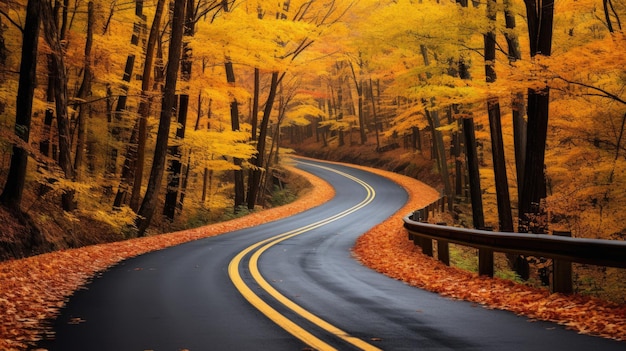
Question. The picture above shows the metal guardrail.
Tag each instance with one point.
(610, 253)
(563, 250)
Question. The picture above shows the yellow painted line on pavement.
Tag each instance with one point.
(275, 316)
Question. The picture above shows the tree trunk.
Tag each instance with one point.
(146, 211)
(174, 170)
(46, 143)
(359, 83)
(254, 118)
(362, 131)
(144, 107)
(13, 189)
(130, 160)
(258, 160)
(83, 92)
(517, 100)
(457, 152)
(499, 167)
(433, 118)
(339, 113)
(474, 175)
(116, 129)
(176, 178)
(495, 125)
(234, 122)
(540, 19)
(51, 35)
(375, 115)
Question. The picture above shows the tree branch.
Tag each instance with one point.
(603, 92)
(6, 15)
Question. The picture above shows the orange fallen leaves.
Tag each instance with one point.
(32, 290)
(386, 249)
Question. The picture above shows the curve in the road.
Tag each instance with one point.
(183, 297)
(278, 318)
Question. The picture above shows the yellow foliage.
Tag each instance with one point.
(297, 115)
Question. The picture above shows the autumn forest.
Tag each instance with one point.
(138, 117)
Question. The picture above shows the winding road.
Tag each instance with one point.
(290, 285)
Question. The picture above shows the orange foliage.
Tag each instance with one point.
(386, 248)
(33, 289)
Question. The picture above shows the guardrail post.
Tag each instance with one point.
(485, 260)
(443, 250)
(417, 215)
(562, 272)
(427, 246)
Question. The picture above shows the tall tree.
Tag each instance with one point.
(517, 100)
(144, 107)
(175, 175)
(146, 211)
(540, 16)
(234, 122)
(11, 196)
(495, 124)
(359, 84)
(58, 71)
(117, 129)
(83, 92)
(258, 159)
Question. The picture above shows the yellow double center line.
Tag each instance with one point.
(271, 313)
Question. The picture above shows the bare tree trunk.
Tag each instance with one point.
(51, 34)
(176, 178)
(517, 100)
(359, 83)
(254, 118)
(375, 115)
(234, 120)
(433, 118)
(46, 144)
(495, 124)
(144, 107)
(13, 189)
(540, 19)
(258, 160)
(474, 175)
(116, 129)
(499, 167)
(130, 159)
(146, 211)
(83, 92)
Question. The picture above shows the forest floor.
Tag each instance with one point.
(33, 289)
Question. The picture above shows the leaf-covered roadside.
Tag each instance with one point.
(386, 248)
(32, 290)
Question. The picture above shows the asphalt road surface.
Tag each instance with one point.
(290, 285)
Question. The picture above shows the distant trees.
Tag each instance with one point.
(359, 71)
(525, 68)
